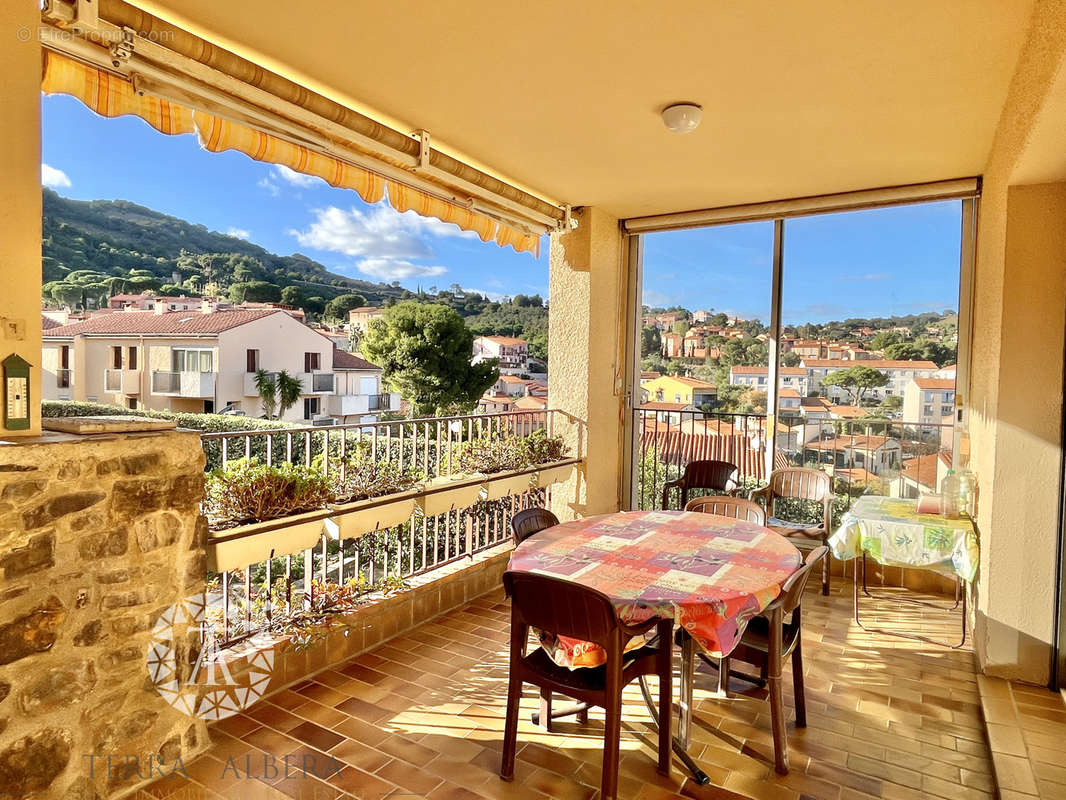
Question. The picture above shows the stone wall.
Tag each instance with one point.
(98, 535)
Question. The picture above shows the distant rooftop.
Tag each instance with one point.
(173, 323)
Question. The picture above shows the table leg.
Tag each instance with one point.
(688, 680)
(959, 590)
(698, 775)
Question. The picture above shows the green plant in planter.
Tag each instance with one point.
(505, 453)
(361, 475)
(248, 491)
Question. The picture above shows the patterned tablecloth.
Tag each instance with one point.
(708, 573)
(892, 532)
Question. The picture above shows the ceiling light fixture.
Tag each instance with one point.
(682, 117)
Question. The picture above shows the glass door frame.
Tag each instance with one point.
(966, 190)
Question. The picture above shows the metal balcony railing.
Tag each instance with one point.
(380, 402)
(421, 544)
(897, 458)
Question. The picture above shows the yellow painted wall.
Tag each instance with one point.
(585, 361)
(671, 387)
(20, 191)
(1014, 400)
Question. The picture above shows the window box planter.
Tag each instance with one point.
(547, 474)
(237, 547)
(374, 513)
(503, 484)
(449, 492)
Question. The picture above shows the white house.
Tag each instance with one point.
(200, 361)
(513, 353)
(793, 378)
(899, 373)
(928, 400)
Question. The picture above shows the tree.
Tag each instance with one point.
(292, 296)
(856, 381)
(254, 292)
(903, 351)
(883, 339)
(424, 351)
(650, 341)
(289, 390)
(267, 389)
(790, 359)
(681, 327)
(339, 306)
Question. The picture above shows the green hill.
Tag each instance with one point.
(92, 249)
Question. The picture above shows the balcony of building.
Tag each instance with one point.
(183, 384)
(122, 381)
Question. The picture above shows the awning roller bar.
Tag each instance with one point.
(807, 206)
(364, 142)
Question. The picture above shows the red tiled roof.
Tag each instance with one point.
(848, 411)
(342, 359)
(935, 383)
(504, 340)
(850, 442)
(844, 364)
(923, 469)
(47, 323)
(661, 406)
(172, 323)
(742, 370)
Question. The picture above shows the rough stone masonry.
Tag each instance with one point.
(98, 535)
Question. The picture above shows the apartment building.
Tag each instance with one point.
(205, 361)
(787, 378)
(360, 318)
(900, 373)
(677, 389)
(929, 400)
(513, 353)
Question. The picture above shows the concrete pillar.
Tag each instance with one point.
(1019, 475)
(585, 358)
(20, 194)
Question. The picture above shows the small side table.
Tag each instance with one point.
(891, 532)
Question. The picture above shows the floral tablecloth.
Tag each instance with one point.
(892, 532)
(709, 574)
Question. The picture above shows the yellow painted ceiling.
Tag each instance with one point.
(800, 97)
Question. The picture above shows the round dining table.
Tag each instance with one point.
(709, 574)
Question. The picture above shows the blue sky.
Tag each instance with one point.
(901, 260)
(878, 263)
(88, 157)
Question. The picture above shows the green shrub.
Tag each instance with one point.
(506, 453)
(248, 491)
(363, 476)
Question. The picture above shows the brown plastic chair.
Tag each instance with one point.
(800, 484)
(569, 609)
(719, 476)
(767, 642)
(724, 506)
(529, 521)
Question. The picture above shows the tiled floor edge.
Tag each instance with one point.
(1023, 723)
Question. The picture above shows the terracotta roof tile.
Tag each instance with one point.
(172, 323)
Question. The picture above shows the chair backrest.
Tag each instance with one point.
(562, 607)
(529, 521)
(710, 474)
(724, 506)
(801, 483)
(792, 589)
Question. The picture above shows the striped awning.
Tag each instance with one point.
(113, 95)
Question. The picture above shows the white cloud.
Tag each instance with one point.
(294, 177)
(869, 276)
(240, 233)
(378, 233)
(397, 269)
(50, 176)
(269, 185)
(495, 297)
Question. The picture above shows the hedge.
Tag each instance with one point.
(207, 423)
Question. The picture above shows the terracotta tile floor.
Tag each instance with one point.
(1026, 731)
(421, 717)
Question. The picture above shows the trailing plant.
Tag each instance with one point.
(249, 491)
(362, 475)
(508, 453)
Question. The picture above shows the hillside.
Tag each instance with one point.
(107, 244)
(94, 249)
